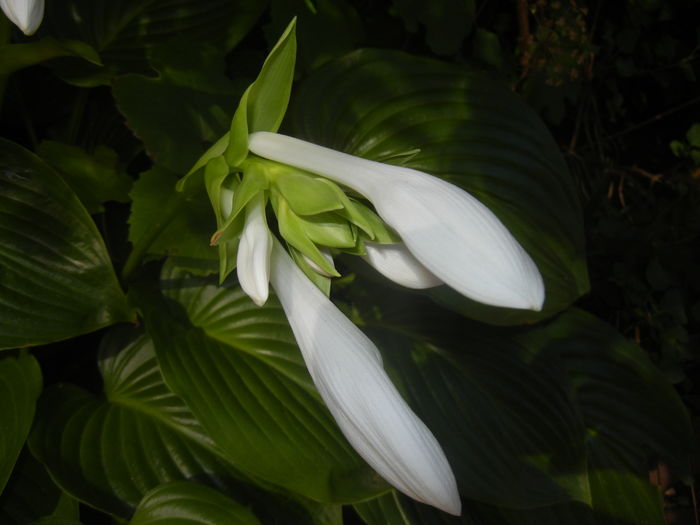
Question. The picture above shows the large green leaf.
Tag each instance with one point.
(190, 503)
(96, 178)
(56, 279)
(238, 369)
(125, 32)
(20, 385)
(31, 495)
(629, 413)
(470, 130)
(110, 452)
(167, 222)
(187, 107)
(507, 426)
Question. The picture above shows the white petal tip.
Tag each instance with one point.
(452, 506)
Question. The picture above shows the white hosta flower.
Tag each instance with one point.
(253, 259)
(347, 370)
(396, 262)
(456, 237)
(25, 14)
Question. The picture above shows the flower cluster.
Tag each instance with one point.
(426, 232)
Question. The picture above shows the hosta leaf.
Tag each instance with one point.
(167, 222)
(629, 413)
(111, 452)
(190, 503)
(20, 385)
(95, 178)
(31, 495)
(125, 32)
(238, 369)
(191, 98)
(469, 130)
(507, 426)
(56, 279)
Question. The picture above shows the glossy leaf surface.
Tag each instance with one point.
(111, 452)
(187, 502)
(237, 367)
(57, 280)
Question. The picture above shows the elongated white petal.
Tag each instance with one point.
(25, 14)
(451, 233)
(396, 262)
(253, 259)
(347, 370)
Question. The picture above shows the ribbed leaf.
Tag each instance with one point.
(238, 369)
(20, 385)
(190, 503)
(470, 130)
(111, 452)
(124, 32)
(56, 279)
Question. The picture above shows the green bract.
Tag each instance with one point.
(312, 212)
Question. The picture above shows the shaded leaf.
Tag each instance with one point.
(330, 30)
(183, 110)
(167, 222)
(20, 385)
(472, 131)
(188, 502)
(446, 23)
(95, 178)
(31, 494)
(125, 32)
(18, 56)
(629, 413)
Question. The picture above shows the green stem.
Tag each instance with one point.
(142, 245)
